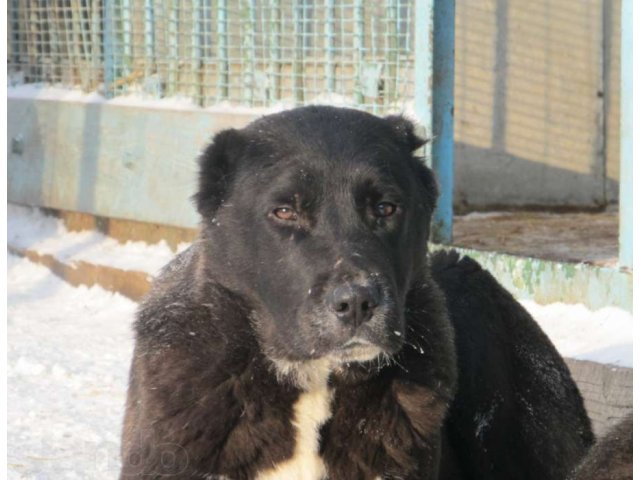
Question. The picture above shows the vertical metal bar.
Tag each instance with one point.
(149, 37)
(298, 65)
(434, 64)
(392, 45)
(80, 43)
(125, 50)
(249, 52)
(57, 43)
(423, 63)
(222, 89)
(172, 41)
(442, 116)
(16, 44)
(274, 50)
(625, 255)
(196, 52)
(359, 50)
(95, 43)
(107, 45)
(329, 69)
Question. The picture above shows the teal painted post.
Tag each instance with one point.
(434, 64)
(625, 255)
(108, 48)
(442, 146)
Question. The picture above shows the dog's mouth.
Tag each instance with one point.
(358, 350)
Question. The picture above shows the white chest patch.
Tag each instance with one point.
(310, 412)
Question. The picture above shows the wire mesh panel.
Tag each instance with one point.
(55, 42)
(236, 52)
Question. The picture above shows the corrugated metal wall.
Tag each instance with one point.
(537, 92)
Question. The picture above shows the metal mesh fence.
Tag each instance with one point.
(240, 52)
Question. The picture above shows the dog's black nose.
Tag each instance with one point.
(354, 303)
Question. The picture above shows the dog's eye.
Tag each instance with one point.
(384, 209)
(286, 213)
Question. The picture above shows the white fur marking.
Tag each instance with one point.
(310, 412)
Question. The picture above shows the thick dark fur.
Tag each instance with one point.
(209, 396)
(612, 457)
(517, 413)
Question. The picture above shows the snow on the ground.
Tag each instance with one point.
(68, 356)
(603, 336)
(29, 228)
(483, 215)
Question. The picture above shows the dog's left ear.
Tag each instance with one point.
(405, 135)
(217, 168)
(404, 132)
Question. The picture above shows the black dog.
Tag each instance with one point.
(305, 335)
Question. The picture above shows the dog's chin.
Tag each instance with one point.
(356, 350)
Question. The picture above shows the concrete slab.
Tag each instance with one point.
(607, 391)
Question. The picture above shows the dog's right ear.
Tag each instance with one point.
(217, 167)
(404, 131)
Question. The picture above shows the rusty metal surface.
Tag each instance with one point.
(563, 237)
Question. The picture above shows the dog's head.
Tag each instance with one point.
(319, 216)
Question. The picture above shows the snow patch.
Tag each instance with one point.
(29, 228)
(482, 215)
(141, 99)
(68, 358)
(603, 336)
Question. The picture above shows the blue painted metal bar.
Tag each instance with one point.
(434, 65)
(107, 45)
(625, 255)
(442, 116)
